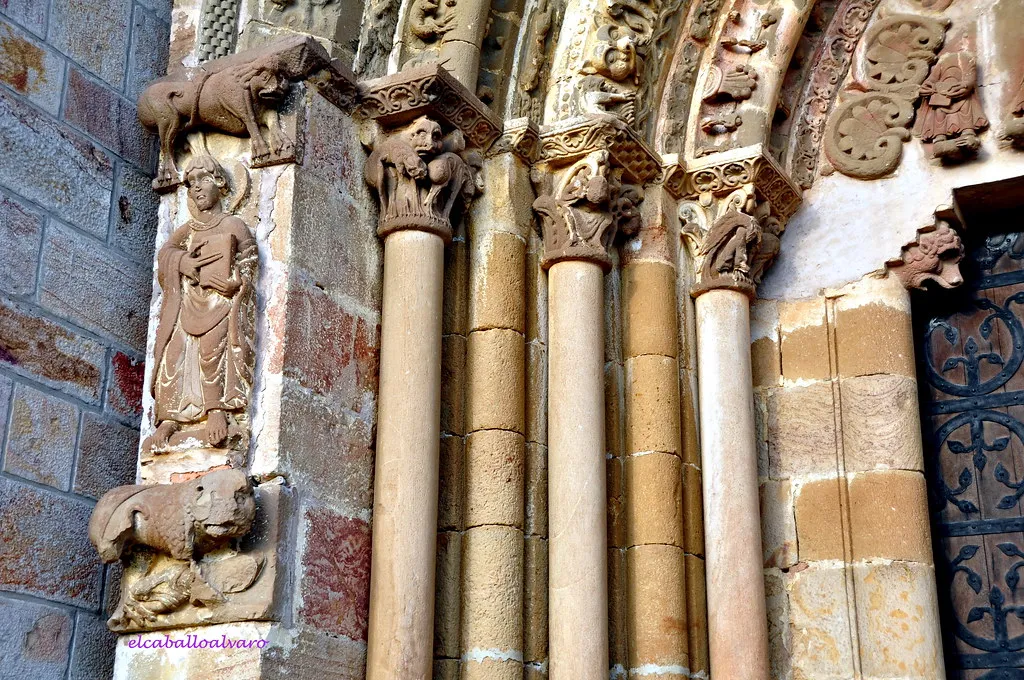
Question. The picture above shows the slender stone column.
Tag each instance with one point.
(577, 512)
(400, 643)
(737, 619)
(424, 175)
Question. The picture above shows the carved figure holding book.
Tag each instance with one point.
(204, 344)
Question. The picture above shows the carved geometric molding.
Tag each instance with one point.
(520, 136)
(429, 90)
(723, 173)
(572, 140)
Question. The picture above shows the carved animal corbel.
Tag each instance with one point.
(235, 95)
(721, 126)
(429, 22)
(935, 256)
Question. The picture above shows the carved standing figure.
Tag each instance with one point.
(204, 343)
(950, 114)
(1015, 124)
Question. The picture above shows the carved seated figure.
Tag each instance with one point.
(203, 352)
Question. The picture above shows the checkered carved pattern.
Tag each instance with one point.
(219, 29)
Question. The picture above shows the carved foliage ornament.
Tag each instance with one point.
(589, 206)
(935, 256)
(865, 134)
(420, 177)
(237, 95)
(204, 348)
(180, 546)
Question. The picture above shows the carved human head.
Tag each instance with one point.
(935, 257)
(223, 506)
(206, 181)
(615, 53)
(424, 136)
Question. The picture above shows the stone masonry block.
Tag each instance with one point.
(21, 232)
(106, 456)
(92, 652)
(455, 306)
(536, 292)
(656, 583)
(451, 484)
(495, 381)
(29, 13)
(536, 476)
(618, 597)
(136, 215)
(453, 384)
(494, 478)
(44, 546)
(780, 641)
(86, 283)
(536, 392)
(889, 516)
(819, 507)
(801, 431)
(41, 440)
(448, 587)
(881, 423)
(765, 356)
(34, 346)
(492, 669)
(124, 390)
(94, 108)
(30, 69)
(820, 623)
(874, 338)
(697, 615)
(804, 346)
(689, 433)
(778, 524)
(319, 342)
(497, 297)
(335, 573)
(56, 168)
(535, 603)
(147, 60)
(93, 33)
(492, 586)
(34, 640)
(614, 441)
(897, 611)
(693, 510)
(654, 500)
(650, 324)
(652, 404)
(616, 491)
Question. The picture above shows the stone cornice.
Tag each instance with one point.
(520, 136)
(574, 139)
(720, 174)
(429, 90)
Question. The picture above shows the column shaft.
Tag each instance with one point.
(578, 586)
(737, 623)
(400, 642)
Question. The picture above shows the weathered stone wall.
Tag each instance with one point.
(77, 222)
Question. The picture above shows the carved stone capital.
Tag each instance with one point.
(934, 256)
(520, 136)
(574, 139)
(429, 90)
(422, 178)
(717, 176)
(588, 206)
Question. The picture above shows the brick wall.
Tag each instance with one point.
(77, 222)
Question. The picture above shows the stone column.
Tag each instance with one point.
(581, 209)
(423, 175)
(734, 233)
(737, 619)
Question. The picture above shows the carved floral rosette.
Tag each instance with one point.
(865, 133)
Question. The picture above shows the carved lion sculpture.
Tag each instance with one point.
(229, 95)
(180, 520)
(935, 256)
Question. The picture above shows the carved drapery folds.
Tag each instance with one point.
(425, 166)
(935, 256)
(189, 549)
(865, 133)
(203, 355)
(240, 95)
(590, 182)
(733, 213)
(1015, 123)
(950, 115)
